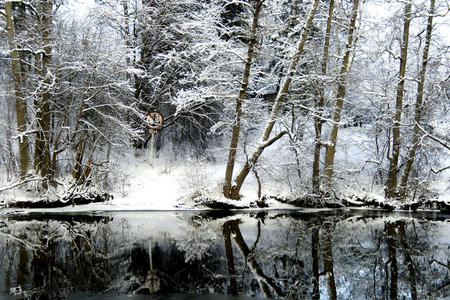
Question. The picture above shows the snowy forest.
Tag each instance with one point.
(286, 98)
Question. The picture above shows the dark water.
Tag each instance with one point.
(297, 255)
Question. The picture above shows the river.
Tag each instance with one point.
(321, 254)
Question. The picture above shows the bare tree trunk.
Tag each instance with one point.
(319, 105)
(265, 142)
(419, 105)
(42, 62)
(340, 95)
(391, 189)
(21, 107)
(240, 101)
(78, 165)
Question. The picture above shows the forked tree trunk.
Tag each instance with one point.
(415, 144)
(319, 105)
(265, 141)
(21, 107)
(240, 101)
(340, 95)
(391, 189)
(264, 281)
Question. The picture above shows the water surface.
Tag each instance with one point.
(324, 254)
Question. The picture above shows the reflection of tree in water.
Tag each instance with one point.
(336, 257)
(49, 259)
(293, 255)
(391, 254)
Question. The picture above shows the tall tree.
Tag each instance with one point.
(391, 185)
(265, 139)
(240, 101)
(340, 96)
(320, 103)
(418, 111)
(20, 103)
(43, 31)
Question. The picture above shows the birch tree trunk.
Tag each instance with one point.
(21, 107)
(265, 141)
(419, 105)
(320, 103)
(240, 101)
(391, 189)
(340, 95)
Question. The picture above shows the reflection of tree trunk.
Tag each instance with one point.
(263, 280)
(22, 268)
(315, 263)
(408, 259)
(329, 265)
(392, 262)
(230, 258)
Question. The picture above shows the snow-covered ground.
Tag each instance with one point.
(171, 182)
(167, 184)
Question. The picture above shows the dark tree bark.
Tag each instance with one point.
(392, 262)
(21, 107)
(42, 161)
(328, 262)
(418, 112)
(264, 281)
(315, 262)
(240, 101)
(391, 189)
(265, 138)
(230, 258)
(320, 103)
(340, 95)
(408, 259)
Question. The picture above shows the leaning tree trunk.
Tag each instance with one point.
(265, 141)
(240, 101)
(419, 105)
(21, 107)
(319, 105)
(340, 95)
(391, 189)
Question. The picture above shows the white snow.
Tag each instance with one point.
(166, 185)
